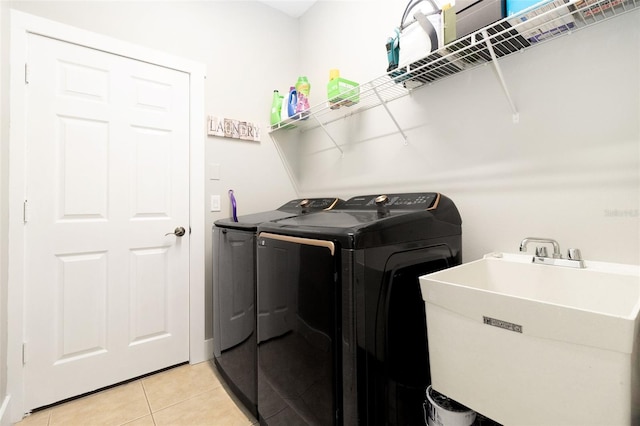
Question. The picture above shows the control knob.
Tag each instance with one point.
(381, 200)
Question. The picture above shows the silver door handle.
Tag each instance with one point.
(178, 232)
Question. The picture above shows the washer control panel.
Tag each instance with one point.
(310, 204)
(405, 201)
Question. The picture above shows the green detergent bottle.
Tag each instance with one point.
(276, 107)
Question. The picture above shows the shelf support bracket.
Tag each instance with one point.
(329, 134)
(285, 163)
(496, 65)
(384, 104)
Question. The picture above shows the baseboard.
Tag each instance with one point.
(208, 347)
(205, 355)
(4, 412)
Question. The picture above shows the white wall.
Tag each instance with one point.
(569, 170)
(4, 219)
(238, 41)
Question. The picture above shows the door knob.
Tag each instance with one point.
(178, 232)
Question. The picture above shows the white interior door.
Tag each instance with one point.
(106, 291)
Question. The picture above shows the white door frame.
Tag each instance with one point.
(23, 24)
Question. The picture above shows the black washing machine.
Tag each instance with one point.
(342, 333)
(234, 287)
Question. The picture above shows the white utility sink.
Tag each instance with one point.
(526, 343)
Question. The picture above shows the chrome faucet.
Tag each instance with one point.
(574, 257)
(556, 246)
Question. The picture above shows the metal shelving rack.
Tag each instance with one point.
(529, 28)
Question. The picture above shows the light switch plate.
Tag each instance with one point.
(214, 171)
(215, 203)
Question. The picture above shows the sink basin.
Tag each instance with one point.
(526, 343)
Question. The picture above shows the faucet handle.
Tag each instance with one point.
(541, 251)
(574, 254)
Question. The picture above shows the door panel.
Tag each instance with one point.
(149, 291)
(81, 309)
(280, 267)
(152, 164)
(234, 320)
(83, 176)
(235, 286)
(298, 341)
(106, 291)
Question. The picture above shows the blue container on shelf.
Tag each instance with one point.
(292, 102)
(516, 6)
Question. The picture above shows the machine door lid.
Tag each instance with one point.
(299, 240)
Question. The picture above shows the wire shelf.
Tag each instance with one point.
(526, 29)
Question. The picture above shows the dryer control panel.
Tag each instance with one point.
(404, 201)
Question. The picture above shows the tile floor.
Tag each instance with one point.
(189, 395)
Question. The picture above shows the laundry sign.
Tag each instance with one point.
(235, 129)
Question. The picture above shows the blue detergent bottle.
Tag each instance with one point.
(292, 101)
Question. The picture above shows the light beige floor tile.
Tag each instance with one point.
(236, 400)
(39, 418)
(190, 395)
(213, 407)
(179, 384)
(143, 421)
(110, 407)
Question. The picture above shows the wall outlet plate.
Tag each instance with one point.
(215, 203)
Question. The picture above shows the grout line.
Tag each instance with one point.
(153, 419)
(144, 389)
(176, 402)
(129, 421)
(218, 383)
(148, 403)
